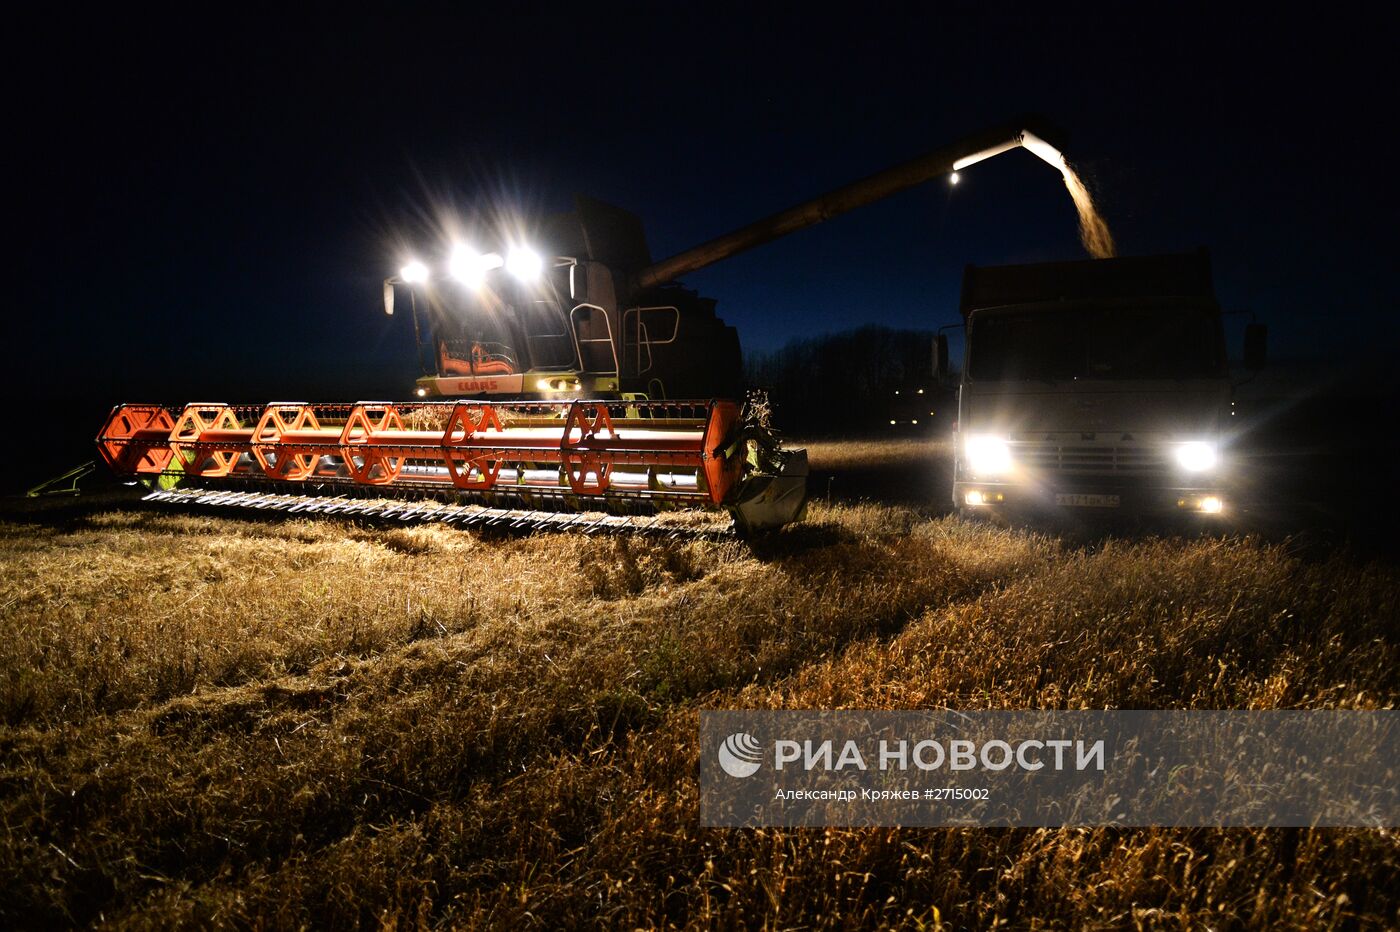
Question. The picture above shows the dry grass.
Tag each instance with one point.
(229, 722)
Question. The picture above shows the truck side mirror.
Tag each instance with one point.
(1256, 346)
(389, 298)
(940, 357)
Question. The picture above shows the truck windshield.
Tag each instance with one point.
(1115, 343)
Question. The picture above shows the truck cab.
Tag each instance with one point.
(1098, 386)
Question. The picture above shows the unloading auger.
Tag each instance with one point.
(622, 456)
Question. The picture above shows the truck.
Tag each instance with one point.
(1099, 386)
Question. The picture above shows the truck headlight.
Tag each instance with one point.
(1196, 456)
(987, 456)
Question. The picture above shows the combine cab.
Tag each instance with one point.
(500, 320)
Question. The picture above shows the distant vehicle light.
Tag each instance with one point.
(1196, 456)
(525, 264)
(953, 178)
(988, 456)
(414, 273)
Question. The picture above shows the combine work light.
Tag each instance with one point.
(525, 264)
(469, 266)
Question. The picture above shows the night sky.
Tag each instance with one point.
(207, 206)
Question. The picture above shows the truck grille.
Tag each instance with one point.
(1099, 458)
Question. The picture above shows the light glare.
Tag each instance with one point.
(1196, 456)
(525, 264)
(988, 455)
(463, 264)
(466, 265)
(414, 273)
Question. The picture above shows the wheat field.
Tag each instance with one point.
(226, 721)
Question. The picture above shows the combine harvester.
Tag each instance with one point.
(544, 400)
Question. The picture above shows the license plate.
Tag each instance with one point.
(1077, 500)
